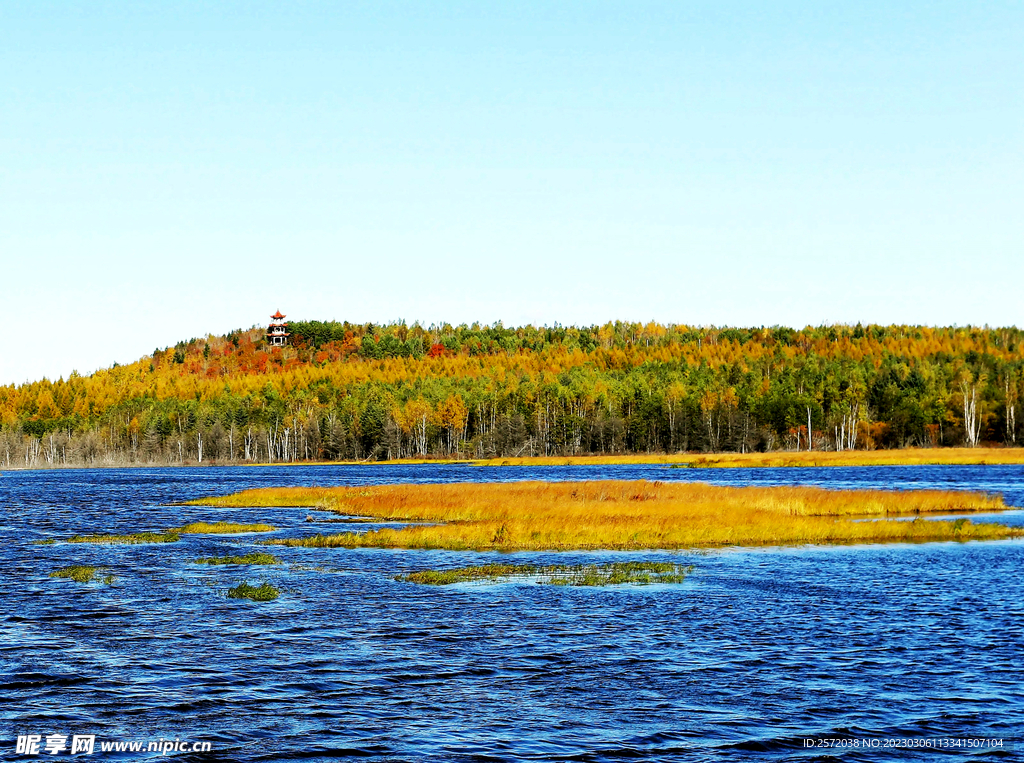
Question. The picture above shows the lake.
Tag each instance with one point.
(767, 654)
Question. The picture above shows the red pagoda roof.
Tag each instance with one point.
(277, 316)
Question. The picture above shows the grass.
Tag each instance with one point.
(618, 573)
(519, 516)
(80, 573)
(901, 457)
(172, 535)
(894, 457)
(199, 528)
(129, 539)
(257, 557)
(263, 592)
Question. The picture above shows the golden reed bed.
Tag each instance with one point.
(627, 515)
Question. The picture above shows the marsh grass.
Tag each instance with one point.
(172, 535)
(900, 457)
(81, 573)
(616, 514)
(129, 539)
(618, 573)
(341, 520)
(262, 592)
(895, 457)
(482, 572)
(221, 528)
(256, 557)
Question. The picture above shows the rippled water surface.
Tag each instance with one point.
(756, 652)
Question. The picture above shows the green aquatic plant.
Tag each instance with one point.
(620, 573)
(617, 573)
(483, 572)
(130, 538)
(257, 557)
(262, 592)
(80, 573)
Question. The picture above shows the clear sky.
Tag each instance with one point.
(176, 169)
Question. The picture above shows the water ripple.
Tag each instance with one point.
(757, 653)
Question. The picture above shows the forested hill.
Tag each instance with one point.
(348, 391)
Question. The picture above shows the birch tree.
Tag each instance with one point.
(972, 421)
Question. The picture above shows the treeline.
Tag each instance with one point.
(353, 391)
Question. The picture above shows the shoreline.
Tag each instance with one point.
(772, 459)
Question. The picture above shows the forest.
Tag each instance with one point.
(343, 391)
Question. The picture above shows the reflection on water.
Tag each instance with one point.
(757, 651)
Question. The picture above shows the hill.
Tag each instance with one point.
(353, 391)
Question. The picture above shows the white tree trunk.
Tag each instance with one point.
(972, 423)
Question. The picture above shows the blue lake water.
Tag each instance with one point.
(759, 651)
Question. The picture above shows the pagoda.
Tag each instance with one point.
(277, 334)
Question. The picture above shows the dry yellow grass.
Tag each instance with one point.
(627, 515)
(219, 528)
(900, 457)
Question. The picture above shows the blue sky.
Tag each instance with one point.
(171, 170)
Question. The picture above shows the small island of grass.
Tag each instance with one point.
(616, 573)
(222, 528)
(172, 535)
(121, 539)
(617, 514)
(80, 573)
(262, 592)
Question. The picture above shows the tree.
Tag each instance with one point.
(452, 416)
(972, 421)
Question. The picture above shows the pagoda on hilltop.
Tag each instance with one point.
(277, 334)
